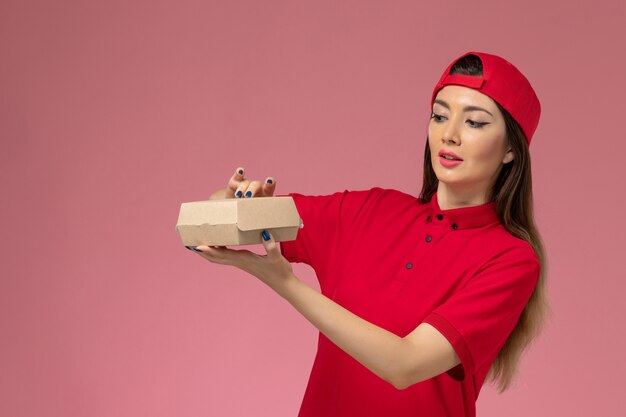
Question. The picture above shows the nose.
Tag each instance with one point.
(451, 134)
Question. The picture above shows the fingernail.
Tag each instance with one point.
(269, 181)
(188, 247)
(241, 172)
(197, 250)
(249, 194)
(239, 193)
(266, 236)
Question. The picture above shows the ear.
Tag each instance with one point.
(508, 156)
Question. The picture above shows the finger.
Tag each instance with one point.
(241, 189)
(214, 254)
(254, 189)
(223, 255)
(234, 181)
(268, 187)
(270, 244)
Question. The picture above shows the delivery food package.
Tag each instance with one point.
(237, 221)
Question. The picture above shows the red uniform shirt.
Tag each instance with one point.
(397, 262)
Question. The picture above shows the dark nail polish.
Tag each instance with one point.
(249, 194)
(188, 247)
(269, 181)
(197, 250)
(266, 236)
(240, 171)
(239, 193)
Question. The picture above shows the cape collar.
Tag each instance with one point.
(464, 217)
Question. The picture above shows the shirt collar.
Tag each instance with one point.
(464, 217)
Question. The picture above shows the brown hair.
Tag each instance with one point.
(512, 193)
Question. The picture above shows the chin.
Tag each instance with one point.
(450, 183)
(445, 175)
(451, 180)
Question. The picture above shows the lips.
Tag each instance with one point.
(450, 156)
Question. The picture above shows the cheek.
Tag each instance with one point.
(484, 153)
(433, 151)
(488, 150)
(429, 134)
(487, 158)
(432, 135)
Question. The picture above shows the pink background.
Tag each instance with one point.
(113, 113)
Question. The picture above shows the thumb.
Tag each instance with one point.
(270, 244)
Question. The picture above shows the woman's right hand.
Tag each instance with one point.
(240, 187)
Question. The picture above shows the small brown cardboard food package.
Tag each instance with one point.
(237, 221)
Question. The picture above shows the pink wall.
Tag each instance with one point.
(113, 113)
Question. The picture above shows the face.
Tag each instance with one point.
(468, 124)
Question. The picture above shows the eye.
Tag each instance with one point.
(477, 125)
(436, 117)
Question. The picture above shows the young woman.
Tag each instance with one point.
(421, 298)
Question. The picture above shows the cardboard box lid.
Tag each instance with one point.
(255, 213)
(267, 212)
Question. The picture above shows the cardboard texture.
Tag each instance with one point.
(237, 221)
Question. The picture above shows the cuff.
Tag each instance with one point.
(466, 367)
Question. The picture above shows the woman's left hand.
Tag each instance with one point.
(273, 268)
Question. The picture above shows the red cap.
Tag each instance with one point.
(505, 84)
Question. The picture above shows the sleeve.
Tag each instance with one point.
(320, 221)
(478, 319)
(324, 219)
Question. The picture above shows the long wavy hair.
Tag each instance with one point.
(512, 193)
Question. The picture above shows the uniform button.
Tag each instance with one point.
(409, 265)
(428, 219)
(428, 238)
(439, 216)
(454, 226)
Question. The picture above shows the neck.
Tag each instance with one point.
(450, 197)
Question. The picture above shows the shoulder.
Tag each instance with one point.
(512, 254)
(384, 195)
(514, 246)
(493, 246)
(377, 200)
(494, 239)
(356, 206)
(363, 193)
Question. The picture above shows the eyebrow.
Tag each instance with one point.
(465, 109)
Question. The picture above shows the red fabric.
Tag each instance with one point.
(468, 277)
